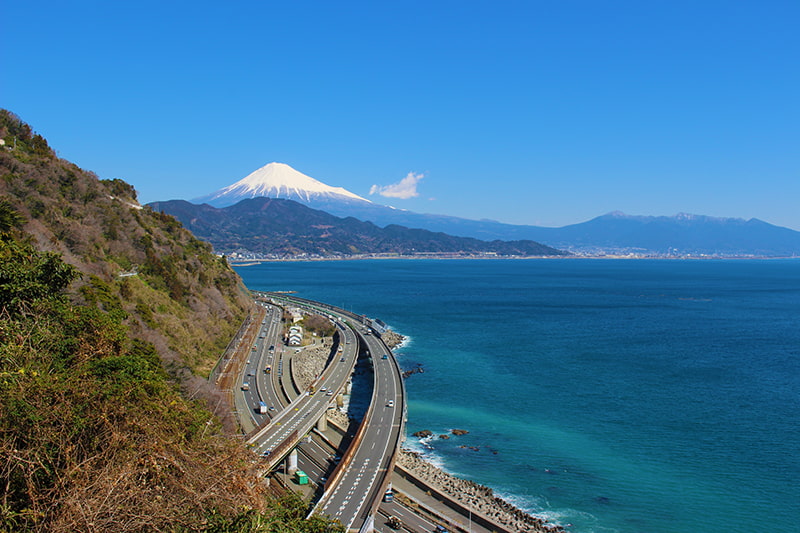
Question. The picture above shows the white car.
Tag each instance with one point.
(390, 404)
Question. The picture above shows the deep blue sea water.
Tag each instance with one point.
(614, 395)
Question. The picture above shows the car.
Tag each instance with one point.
(322, 389)
(390, 404)
(271, 407)
(385, 356)
(337, 458)
(329, 393)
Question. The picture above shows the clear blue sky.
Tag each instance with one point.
(537, 112)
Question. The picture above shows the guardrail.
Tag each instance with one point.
(378, 489)
(384, 485)
(347, 458)
(293, 440)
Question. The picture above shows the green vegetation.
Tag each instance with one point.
(106, 311)
(175, 292)
(93, 434)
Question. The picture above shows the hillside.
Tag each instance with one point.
(181, 297)
(285, 228)
(107, 310)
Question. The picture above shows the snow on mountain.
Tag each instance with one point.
(278, 180)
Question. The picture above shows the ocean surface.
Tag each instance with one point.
(613, 395)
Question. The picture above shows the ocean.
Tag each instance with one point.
(611, 395)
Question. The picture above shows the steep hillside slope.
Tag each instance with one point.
(94, 433)
(176, 293)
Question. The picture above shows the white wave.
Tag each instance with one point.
(405, 343)
(425, 452)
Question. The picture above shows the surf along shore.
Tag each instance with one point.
(432, 487)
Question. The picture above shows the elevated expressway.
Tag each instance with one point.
(353, 492)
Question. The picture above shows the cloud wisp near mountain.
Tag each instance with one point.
(614, 233)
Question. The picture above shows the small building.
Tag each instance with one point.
(296, 314)
(295, 337)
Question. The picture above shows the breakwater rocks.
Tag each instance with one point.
(425, 433)
(392, 339)
(477, 497)
(416, 370)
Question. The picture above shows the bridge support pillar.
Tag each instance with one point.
(322, 423)
(291, 462)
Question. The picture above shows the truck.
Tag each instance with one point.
(262, 408)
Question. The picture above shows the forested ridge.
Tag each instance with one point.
(111, 315)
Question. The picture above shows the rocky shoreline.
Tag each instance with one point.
(473, 495)
(310, 363)
(466, 492)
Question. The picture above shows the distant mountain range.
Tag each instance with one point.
(682, 234)
(614, 233)
(285, 228)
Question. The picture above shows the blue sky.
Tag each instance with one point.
(538, 112)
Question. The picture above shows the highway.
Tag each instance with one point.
(288, 426)
(360, 485)
(260, 356)
(354, 488)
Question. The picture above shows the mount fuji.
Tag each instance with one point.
(278, 180)
(611, 233)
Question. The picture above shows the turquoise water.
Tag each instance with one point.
(613, 395)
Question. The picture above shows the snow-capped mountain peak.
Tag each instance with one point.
(278, 180)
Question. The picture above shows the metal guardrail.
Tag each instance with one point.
(291, 440)
(358, 437)
(400, 433)
(351, 451)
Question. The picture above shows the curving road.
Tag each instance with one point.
(356, 486)
(288, 426)
(364, 478)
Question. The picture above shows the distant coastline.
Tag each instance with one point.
(442, 257)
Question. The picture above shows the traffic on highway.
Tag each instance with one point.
(352, 479)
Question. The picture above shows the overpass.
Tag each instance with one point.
(356, 486)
